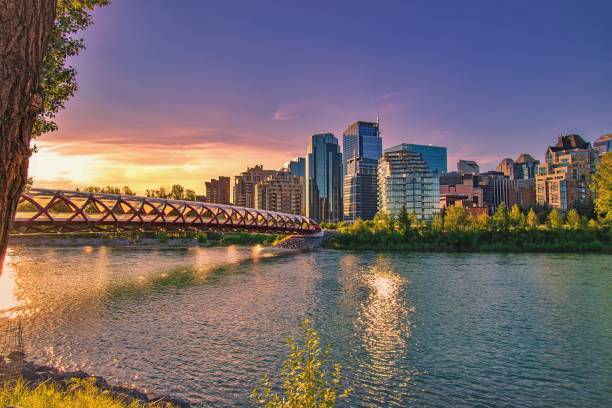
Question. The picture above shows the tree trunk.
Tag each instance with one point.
(25, 27)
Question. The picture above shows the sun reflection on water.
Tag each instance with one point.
(10, 300)
(384, 320)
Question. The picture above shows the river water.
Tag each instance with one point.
(204, 324)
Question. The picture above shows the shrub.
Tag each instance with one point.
(214, 236)
(309, 377)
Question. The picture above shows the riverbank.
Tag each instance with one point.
(35, 375)
(146, 239)
(593, 240)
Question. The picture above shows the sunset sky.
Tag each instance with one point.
(182, 91)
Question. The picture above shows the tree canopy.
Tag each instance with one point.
(602, 186)
(59, 78)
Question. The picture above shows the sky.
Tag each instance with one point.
(183, 91)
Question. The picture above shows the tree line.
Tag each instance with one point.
(459, 230)
(176, 192)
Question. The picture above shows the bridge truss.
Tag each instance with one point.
(45, 210)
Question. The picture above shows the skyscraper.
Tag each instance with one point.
(297, 167)
(467, 167)
(434, 156)
(405, 180)
(362, 147)
(324, 179)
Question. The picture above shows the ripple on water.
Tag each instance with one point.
(433, 330)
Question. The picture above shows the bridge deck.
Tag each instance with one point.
(43, 210)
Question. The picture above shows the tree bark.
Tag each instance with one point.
(25, 27)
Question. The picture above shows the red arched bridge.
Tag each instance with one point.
(43, 210)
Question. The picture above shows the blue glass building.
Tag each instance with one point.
(297, 167)
(324, 179)
(362, 147)
(434, 156)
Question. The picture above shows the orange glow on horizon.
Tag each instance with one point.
(69, 165)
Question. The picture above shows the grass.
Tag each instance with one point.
(76, 394)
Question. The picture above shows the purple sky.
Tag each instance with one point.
(187, 90)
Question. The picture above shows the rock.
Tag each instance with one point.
(36, 374)
(79, 374)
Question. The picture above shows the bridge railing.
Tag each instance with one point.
(45, 210)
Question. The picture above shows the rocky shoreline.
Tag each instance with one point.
(36, 374)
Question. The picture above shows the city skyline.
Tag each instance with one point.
(163, 103)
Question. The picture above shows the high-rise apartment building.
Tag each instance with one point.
(280, 192)
(218, 191)
(434, 156)
(362, 147)
(406, 180)
(564, 178)
(467, 167)
(324, 179)
(244, 185)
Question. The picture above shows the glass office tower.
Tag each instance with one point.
(297, 167)
(434, 156)
(362, 147)
(324, 179)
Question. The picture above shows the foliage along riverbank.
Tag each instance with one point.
(458, 231)
(169, 239)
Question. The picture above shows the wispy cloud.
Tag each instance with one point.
(293, 110)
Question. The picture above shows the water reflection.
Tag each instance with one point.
(383, 324)
(8, 288)
(409, 330)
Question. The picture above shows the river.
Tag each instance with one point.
(409, 329)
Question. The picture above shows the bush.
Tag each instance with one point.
(162, 237)
(214, 236)
(309, 377)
